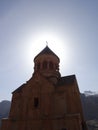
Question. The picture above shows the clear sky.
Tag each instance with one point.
(69, 26)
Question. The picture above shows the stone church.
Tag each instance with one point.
(46, 101)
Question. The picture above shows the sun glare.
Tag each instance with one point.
(55, 43)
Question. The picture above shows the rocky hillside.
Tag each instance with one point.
(4, 109)
(90, 107)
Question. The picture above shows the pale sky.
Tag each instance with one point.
(69, 26)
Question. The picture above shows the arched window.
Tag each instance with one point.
(38, 66)
(45, 65)
(50, 65)
(57, 67)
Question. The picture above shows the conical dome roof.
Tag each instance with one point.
(46, 51)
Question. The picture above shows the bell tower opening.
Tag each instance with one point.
(45, 65)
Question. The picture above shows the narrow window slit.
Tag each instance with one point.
(36, 102)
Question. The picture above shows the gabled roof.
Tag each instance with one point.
(66, 80)
(46, 51)
(19, 88)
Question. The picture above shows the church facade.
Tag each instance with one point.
(46, 101)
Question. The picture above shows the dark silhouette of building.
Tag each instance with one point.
(47, 101)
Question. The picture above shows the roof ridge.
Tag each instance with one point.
(46, 50)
